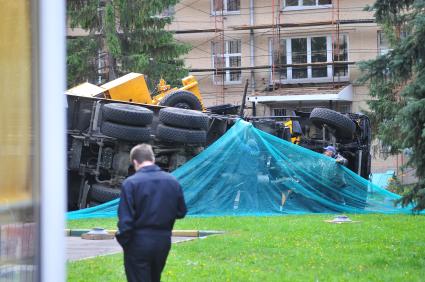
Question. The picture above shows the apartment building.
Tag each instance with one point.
(295, 54)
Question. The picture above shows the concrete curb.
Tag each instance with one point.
(177, 233)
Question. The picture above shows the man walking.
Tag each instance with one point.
(151, 200)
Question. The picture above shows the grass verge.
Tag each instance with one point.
(285, 248)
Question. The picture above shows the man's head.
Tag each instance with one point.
(142, 155)
(330, 151)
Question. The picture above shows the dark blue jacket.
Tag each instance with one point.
(151, 200)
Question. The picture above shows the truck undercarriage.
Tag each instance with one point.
(101, 133)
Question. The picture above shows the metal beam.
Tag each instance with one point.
(51, 76)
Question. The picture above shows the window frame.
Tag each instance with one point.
(226, 57)
(310, 78)
(382, 49)
(225, 11)
(169, 12)
(348, 59)
(345, 108)
(302, 7)
(281, 110)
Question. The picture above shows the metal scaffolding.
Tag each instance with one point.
(219, 50)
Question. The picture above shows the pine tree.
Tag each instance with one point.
(129, 35)
(397, 84)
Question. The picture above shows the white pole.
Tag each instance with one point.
(52, 139)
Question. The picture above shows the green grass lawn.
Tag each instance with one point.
(286, 248)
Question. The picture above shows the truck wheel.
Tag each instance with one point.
(127, 114)
(181, 135)
(83, 122)
(101, 193)
(184, 118)
(74, 185)
(343, 125)
(126, 132)
(182, 99)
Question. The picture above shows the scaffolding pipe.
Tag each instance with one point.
(335, 63)
(252, 42)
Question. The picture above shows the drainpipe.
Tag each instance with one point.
(251, 43)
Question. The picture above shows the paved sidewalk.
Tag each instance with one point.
(78, 249)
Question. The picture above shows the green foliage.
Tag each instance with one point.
(131, 34)
(284, 248)
(112, 40)
(82, 65)
(397, 85)
(395, 186)
(80, 14)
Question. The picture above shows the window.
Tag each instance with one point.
(291, 3)
(319, 55)
(279, 112)
(279, 56)
(383, 44)
(225, 6)
(230, 58)
(302, 4)
(308, 57)
(340, 54)
(345, 108)
(168, 12)
(299, 56)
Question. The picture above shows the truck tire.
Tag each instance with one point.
(184, 118)
(181, 135)
(127, 114)
(126, 132)
(182, 99)
(343, 125)
(83, 122)
(101, 193)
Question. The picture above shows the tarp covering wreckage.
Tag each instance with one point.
(250, 172)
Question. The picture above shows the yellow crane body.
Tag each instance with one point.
(133, 88)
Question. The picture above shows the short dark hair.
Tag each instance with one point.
(141, 153)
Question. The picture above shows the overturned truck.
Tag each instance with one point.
(101, 134)
(102, 130)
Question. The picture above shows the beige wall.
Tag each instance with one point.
(362, 41)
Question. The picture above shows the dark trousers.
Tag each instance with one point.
(145, 256)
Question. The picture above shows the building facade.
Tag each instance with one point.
(295, 54)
